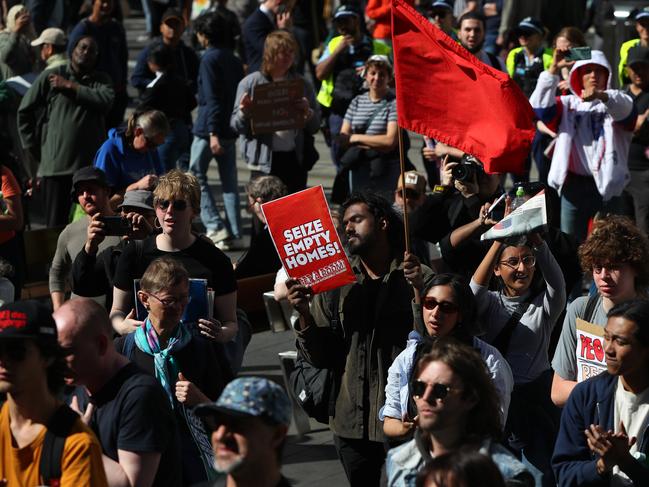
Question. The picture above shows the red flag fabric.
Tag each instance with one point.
(305, 237)
(446, 93)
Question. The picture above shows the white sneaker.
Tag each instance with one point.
(218, 235)
(238, 243)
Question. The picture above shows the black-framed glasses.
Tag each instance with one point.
(14, 350)
(169, 302)
(177, 205)
(437, 391)
(431, 303)
(528, 261)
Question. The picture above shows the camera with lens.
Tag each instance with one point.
(467, 167)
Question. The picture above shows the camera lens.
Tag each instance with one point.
(460, 172)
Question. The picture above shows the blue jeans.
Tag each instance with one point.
(335, 124)
(176, 144)
(199, 160)
(580, 200)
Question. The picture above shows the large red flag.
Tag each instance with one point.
(446, 93)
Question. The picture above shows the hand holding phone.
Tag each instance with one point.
(115, 226)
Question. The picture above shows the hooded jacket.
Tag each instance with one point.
(593, 137)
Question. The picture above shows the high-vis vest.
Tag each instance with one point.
(325, 96)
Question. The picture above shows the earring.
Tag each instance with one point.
(156, 224)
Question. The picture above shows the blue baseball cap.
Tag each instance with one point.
(447, 4)
(250, 397)
(642, 14)
(530, 25)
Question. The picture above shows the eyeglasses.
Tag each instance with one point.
(444, 306)
(177, 205)
(513, 263)
(438, 391)
(169, 302)
(14, 350)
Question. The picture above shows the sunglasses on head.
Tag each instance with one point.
(438, 391)
(177, 205)
(445, 307)
(14, 350)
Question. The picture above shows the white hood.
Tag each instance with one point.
(597, 57)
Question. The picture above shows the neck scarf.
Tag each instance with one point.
(166, 371)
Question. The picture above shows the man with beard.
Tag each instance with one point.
(604, 437)
(375, 314)
(471, 33)
(457, 409)
(248, 426)
(91, 191)
(61, 122)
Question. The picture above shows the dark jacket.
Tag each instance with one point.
(113, 52)
(261, 258)
(72, 127)
(376, 317)
(254, 32)
(185, 65)
(218, 77)
(172, 95)
(591, 402)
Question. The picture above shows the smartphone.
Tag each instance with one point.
(115, 226)
(497, 209)
(578, 54)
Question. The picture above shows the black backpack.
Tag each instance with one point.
(58, 429)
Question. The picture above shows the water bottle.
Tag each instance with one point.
(519, 198)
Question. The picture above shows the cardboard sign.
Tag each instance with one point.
(306, 240)
(529, 217)
(591, 360)
(274, 106)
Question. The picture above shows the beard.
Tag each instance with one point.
(227, 467)
(476, 49)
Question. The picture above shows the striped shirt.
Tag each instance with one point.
(361, 110)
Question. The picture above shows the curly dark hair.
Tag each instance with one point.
(484, 420)
(616, 239)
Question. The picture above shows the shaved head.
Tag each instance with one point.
(84, 315)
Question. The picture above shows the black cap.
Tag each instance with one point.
(173, 13)
(27, 319)
(347, 11)
(88, 173)
(637, 54)
(530, 25)
(445, 4)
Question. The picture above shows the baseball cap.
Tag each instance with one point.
(642, 14)
(413, 180)
(138, 198)
(27, 319)
(51, 35)
(250, 397)
(447, 4)
(530, 25)
(346, 11)
(88, 173)
(172, 13)
(637, 54)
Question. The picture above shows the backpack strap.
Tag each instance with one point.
(591, 306)
(128, 346)
(501, 342)
(58, 429)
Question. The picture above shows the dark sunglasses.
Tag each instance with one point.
(438, 391)
(444, 306)
(177, 205)
(14, 350)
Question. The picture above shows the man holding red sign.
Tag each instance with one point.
(375, 314)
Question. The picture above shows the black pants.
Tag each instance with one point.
(361, 459)
(57, 200)
(286, 167)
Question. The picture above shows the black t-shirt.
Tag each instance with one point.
(133, 414)
(201, 259)
(637, 159)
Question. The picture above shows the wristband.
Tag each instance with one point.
(440, 189)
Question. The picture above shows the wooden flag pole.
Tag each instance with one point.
(402, 163)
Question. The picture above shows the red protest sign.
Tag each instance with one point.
(306, 240)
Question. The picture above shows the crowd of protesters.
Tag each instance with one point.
(453, 361)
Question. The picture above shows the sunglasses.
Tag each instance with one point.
(14, 350)
(169, 302)
(528, 261)
(444, 306)
(438, 391)
(177, 205)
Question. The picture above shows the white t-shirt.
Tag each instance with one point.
(633, 410)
